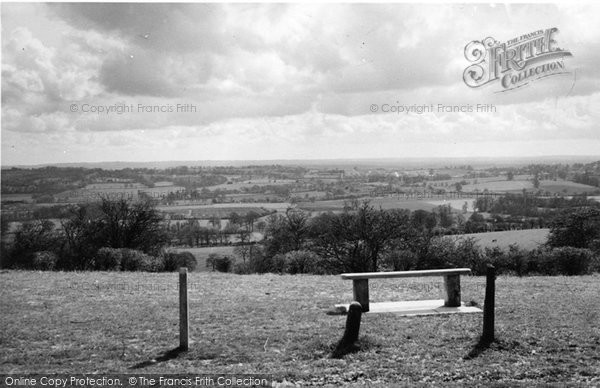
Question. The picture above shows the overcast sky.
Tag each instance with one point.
(293, 81)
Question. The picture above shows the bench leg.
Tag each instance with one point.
(452, 283)
(360, 290)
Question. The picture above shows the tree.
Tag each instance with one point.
(113, 223)
(536, 181)
(250, 218)
(576, 228)
(235, 218)
(510, 175)
(356, 239)
(32, 237)
(133, 225)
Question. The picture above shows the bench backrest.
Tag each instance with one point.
(407, 274)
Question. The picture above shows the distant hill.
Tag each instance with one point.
(384, 162)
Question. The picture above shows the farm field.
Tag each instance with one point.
(251, 183)
(547, 329)
(566, 187)
(456, 204)
(383, 202)
(525, 239)
(500, 186)
(223, 210)
(520, 183)
(228, 206)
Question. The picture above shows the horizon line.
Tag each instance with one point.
(224, 162)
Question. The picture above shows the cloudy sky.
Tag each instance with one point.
(291, 81)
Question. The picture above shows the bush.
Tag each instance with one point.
(220, 263)
(445, 253)
(267, 264)
(108, 259)
(172, 261)
(44, 260)
(123, 259)
(139, 261)
(32, 237)
(399, 260)
(571, 261)
(515, 261)
(296, 262)
(242, 268)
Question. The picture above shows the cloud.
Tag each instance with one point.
(272, 80)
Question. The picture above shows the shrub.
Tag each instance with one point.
(32, 237)
(296, 262)
(571, 261)
(399, 260)
(45, 260)
(172, 261)
(518, 260)
(139, 261)
(108, 259)
(445, 253)
(242, 268)
(224, 264)
(264, 264)
(123, 259)
(220, 263)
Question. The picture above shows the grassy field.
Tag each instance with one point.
(385, 203)
(525, 239)
(517, 185)
(547, 329)
(566, 187)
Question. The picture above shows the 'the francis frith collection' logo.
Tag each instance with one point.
(516, 62)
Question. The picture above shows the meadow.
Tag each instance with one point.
(526, 239)
(547, 328)
(385, 203)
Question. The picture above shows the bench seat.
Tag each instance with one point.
(406, 274)
(360, 283)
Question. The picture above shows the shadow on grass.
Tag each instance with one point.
(499, 345)
(166, 356)
(478, 348)
(363, 344)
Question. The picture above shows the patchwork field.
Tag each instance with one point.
(223, 210)
(547, 328)
(521, 183)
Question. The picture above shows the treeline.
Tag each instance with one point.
(121, 235)
(530, 205)
(239, 226)
(113, 234)
(364, 239)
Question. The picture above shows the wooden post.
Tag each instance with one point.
(452, 283)
(489, 305)
(360, 290)
(183, 309)
(351, 331)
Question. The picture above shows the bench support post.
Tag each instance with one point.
(452, 283)
(183, 310)
(360, 290)
(489, 305)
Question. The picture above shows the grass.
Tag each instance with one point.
(547, 328)
(526, 239)
(385, 203)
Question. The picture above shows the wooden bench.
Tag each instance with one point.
(360, 283)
